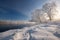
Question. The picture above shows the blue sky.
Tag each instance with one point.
(18, 9)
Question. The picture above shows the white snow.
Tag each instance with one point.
(37, 32)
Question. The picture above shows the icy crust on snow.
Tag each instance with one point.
(37, 32)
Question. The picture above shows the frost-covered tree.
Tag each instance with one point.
(36, 15)
(39, 16)
(50, 9)
(46, 13)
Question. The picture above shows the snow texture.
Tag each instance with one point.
(38, 32)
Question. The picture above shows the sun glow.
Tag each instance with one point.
(57, 15)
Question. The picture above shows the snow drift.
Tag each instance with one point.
(37, 32)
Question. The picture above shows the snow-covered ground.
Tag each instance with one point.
(37, 32)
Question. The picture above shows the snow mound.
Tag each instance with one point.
(37, 32)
